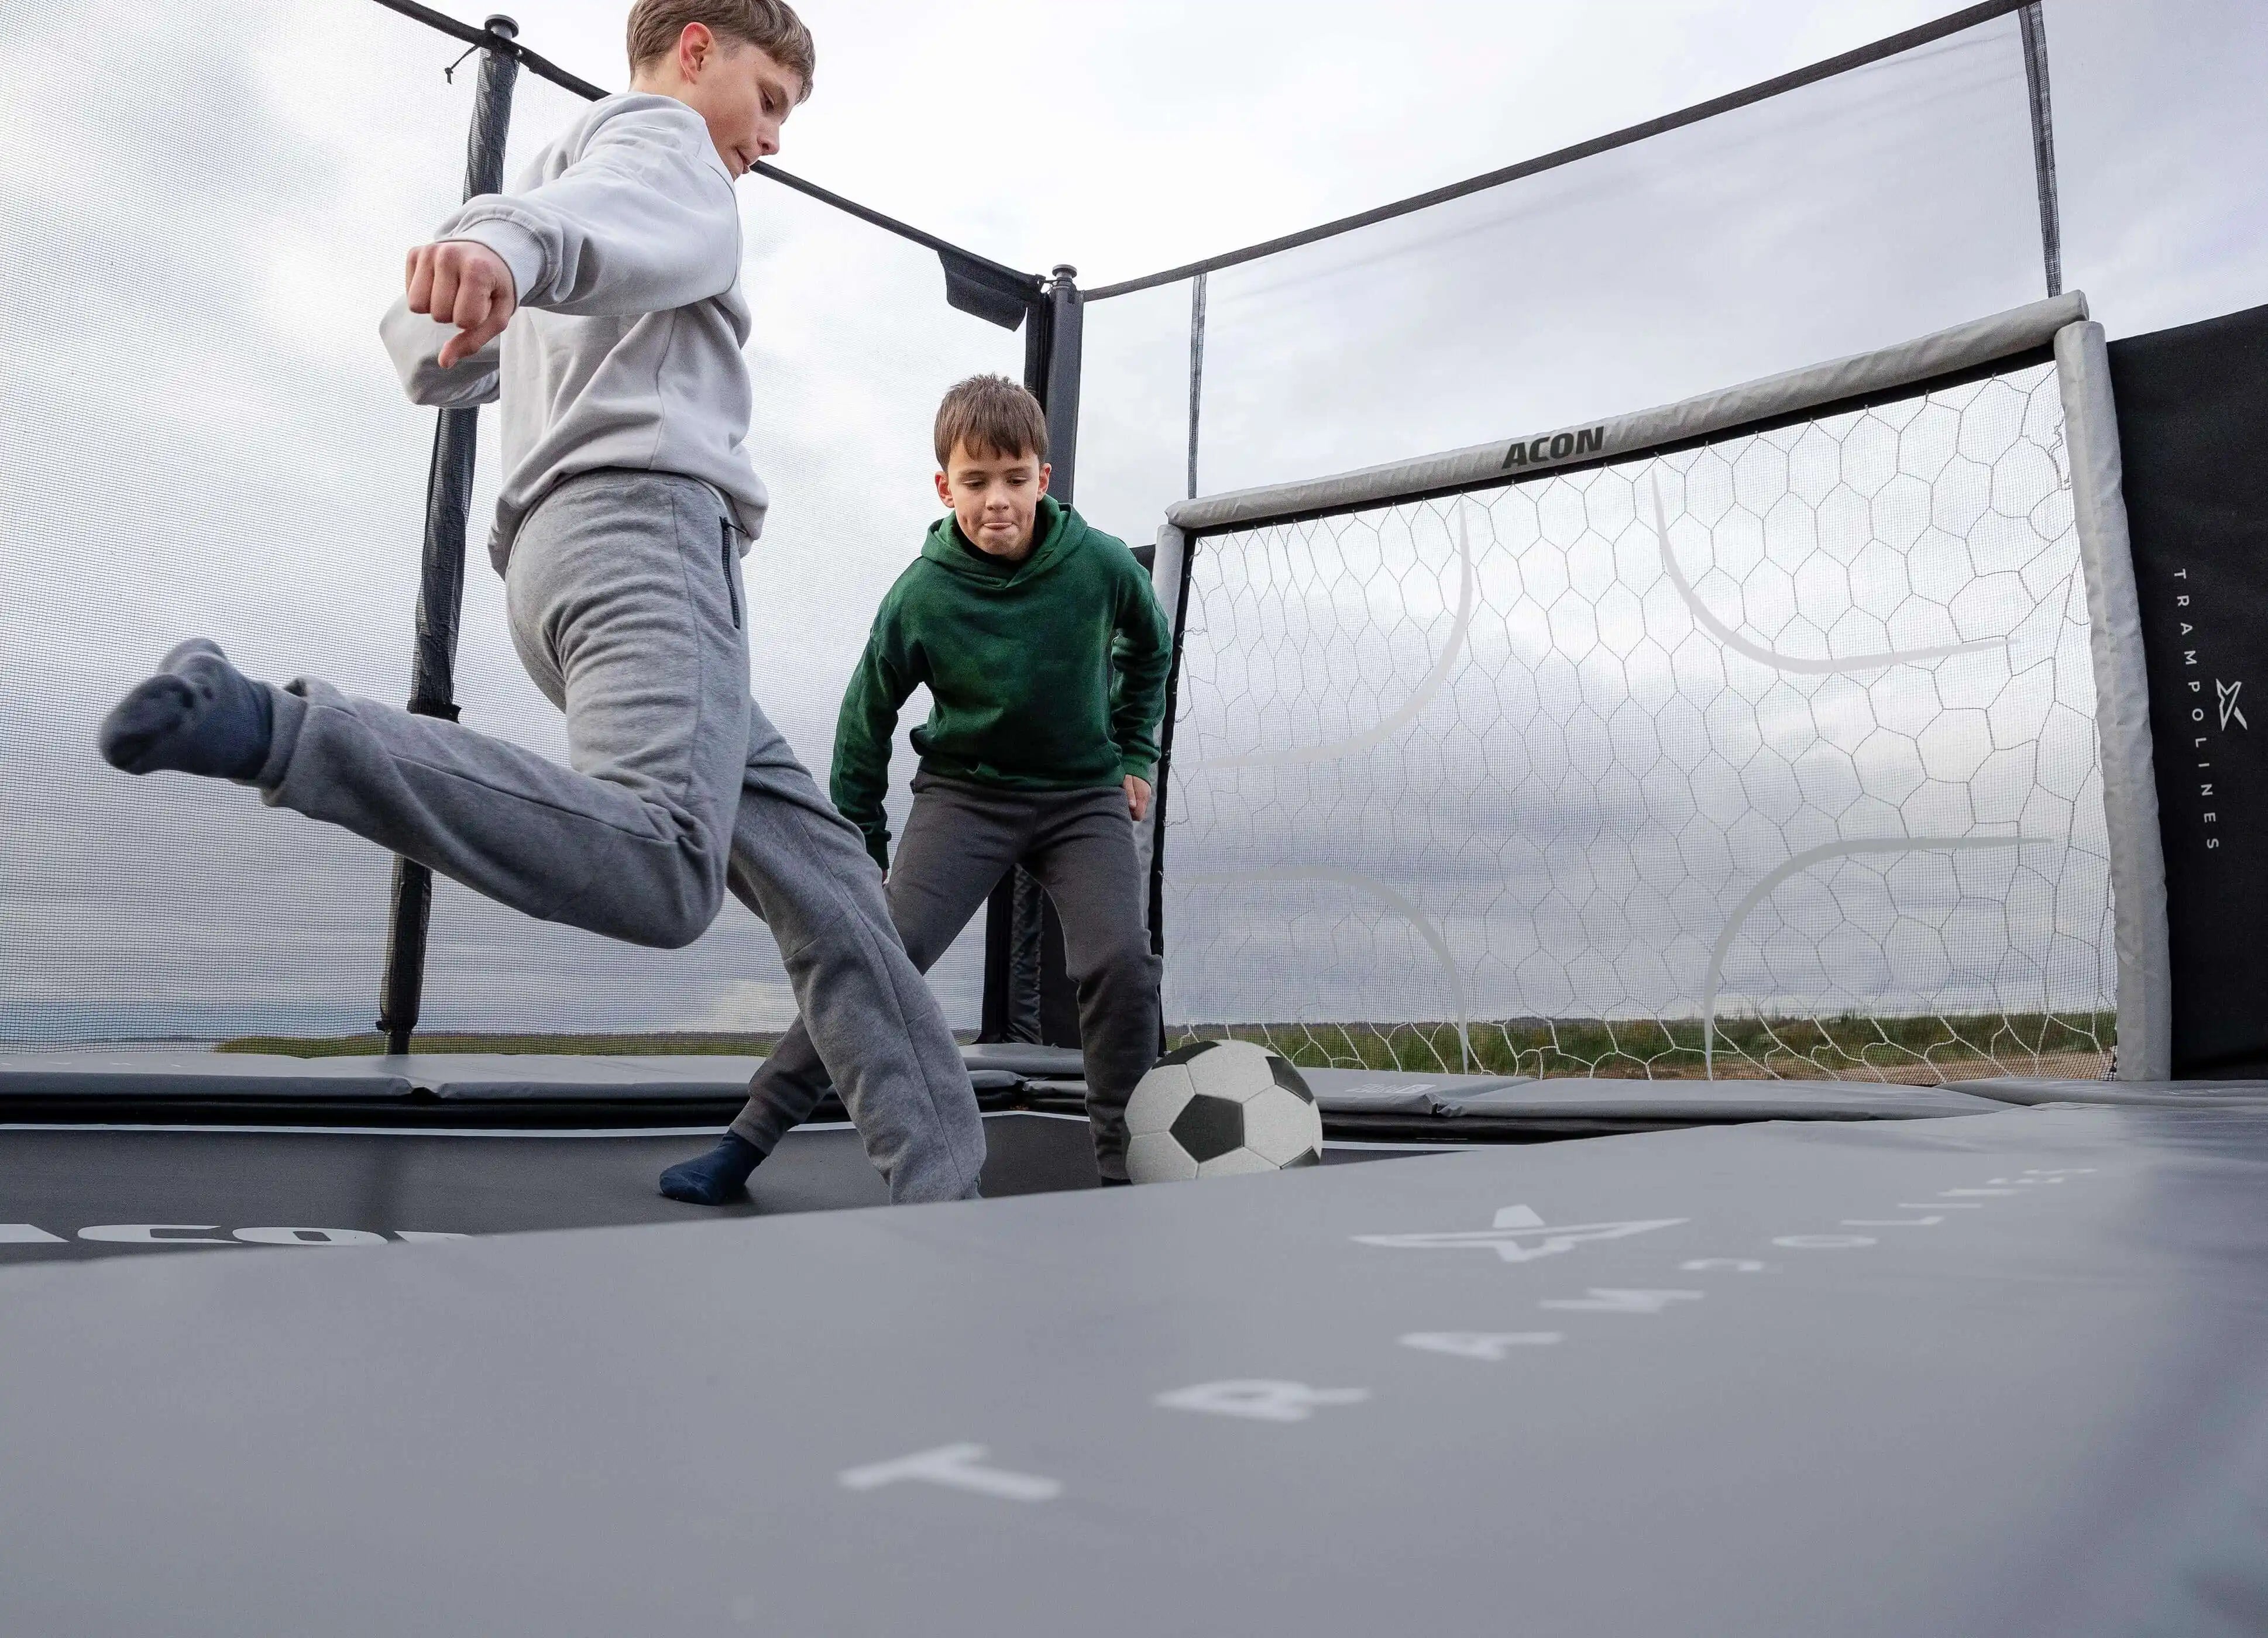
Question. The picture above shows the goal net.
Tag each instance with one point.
(1767, 750)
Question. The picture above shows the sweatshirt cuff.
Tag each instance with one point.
(521, 250)
(1146, 772)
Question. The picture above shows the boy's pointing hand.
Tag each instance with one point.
(460, 283)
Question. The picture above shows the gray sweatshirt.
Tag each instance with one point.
(623, 238)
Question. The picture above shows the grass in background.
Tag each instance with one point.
(1913, 1050)
(588, 1046)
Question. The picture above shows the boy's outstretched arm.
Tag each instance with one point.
(644, 221)
(1142, 653)
(860, 778)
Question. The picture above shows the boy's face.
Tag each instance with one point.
(743, 95)
(994, 498)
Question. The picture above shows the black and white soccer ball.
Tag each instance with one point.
(1212, 1109)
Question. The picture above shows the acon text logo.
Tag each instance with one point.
(1555, 446)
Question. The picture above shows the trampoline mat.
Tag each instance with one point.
(2003, 1373)
(95, 1191)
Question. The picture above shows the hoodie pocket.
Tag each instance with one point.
(725, 558)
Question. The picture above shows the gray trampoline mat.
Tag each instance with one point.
(2004, 1373)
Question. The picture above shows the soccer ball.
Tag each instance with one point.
(1212, 1109)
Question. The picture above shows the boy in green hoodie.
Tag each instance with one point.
(1044, 649)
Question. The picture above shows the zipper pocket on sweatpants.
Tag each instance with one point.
(731, 596)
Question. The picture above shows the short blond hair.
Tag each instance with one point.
(990, 414)
(770, 26)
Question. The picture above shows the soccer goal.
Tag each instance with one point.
(1793, 731)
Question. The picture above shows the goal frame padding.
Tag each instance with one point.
(1965, 346)
(2122, 706)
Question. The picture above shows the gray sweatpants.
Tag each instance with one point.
(960, 841)
(625, 599)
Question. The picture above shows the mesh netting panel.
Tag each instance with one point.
(199, 434)
(1886, 201)
(1794, 731)
(1134, 407)
(202, 435)
(1889, 201)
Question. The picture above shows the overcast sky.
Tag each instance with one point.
(202, 434)
(1127, 138)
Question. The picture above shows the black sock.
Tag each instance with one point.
(713, 1178)
(199, 715)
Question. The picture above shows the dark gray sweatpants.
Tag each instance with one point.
(624, 592)
(959, 841)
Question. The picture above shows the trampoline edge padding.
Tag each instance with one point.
(157, 1073)
(2239, 1096)
(152, 1080)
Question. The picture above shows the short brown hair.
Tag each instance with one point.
(770, 26)
(990, 414)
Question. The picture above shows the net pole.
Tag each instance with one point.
(1197, 370)
(1171, 575)
(441, 575)
(1044, 985)
(1066, 350)
(2035, 81)
(1014, 913)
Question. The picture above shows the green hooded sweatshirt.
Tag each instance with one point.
(1019, 659)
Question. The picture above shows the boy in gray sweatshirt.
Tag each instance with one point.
(600, 301)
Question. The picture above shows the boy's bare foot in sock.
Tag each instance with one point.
(199, 715)
(717, 1178)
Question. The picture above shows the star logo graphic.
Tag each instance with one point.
(1518, 1236)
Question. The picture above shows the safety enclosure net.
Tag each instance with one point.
(1773, 756)
(1876, 197)
(201, 434)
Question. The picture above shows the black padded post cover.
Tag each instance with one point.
(2193, 435)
